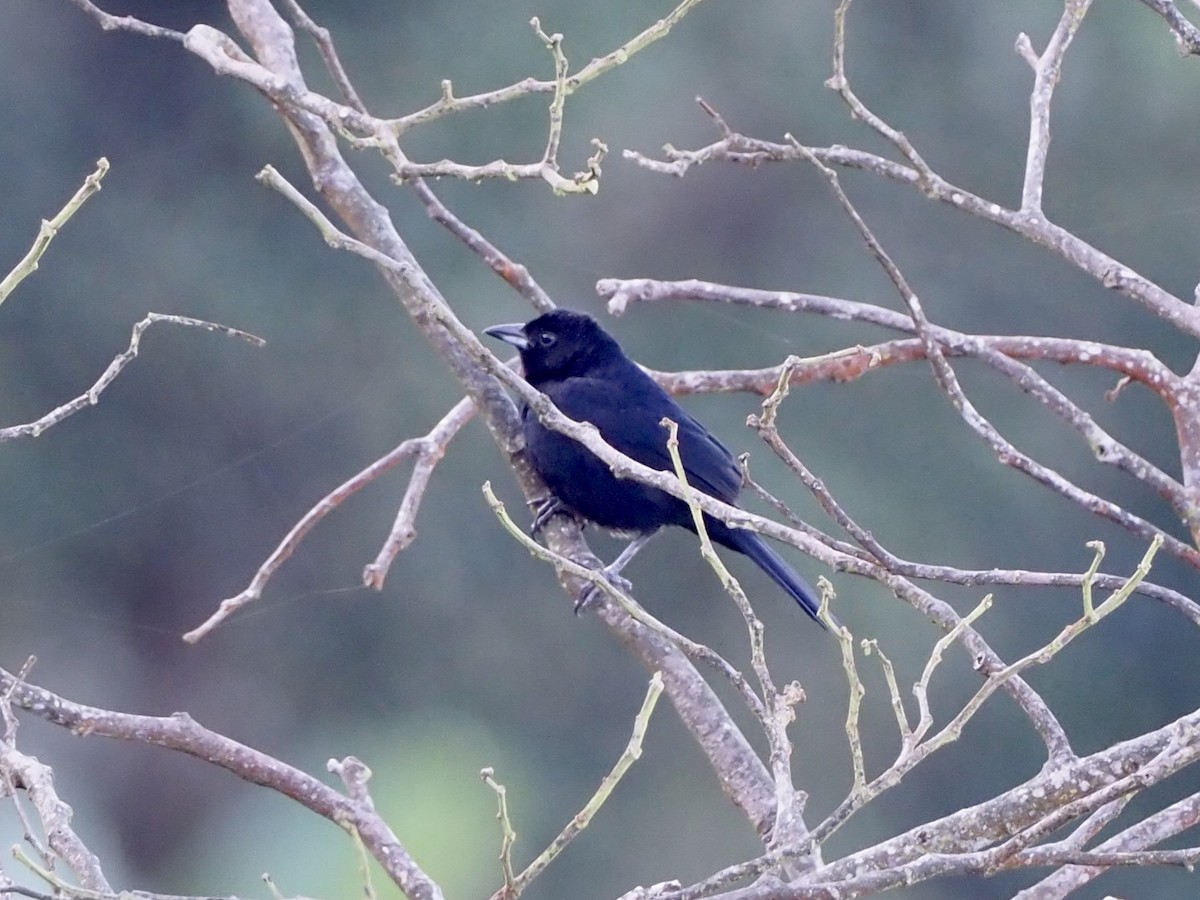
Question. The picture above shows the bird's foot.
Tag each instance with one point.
(591, 594)
(612, 573)
(545, 509)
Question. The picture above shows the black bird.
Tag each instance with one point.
(572, 360)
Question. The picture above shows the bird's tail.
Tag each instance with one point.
(765, 557)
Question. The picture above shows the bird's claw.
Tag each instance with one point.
(590, 595)
(545, 509)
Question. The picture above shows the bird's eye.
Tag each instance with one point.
(546, 339)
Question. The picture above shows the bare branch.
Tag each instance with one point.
(1124, 848)
(553, 43)
(49, 230)
(1187, 35)
(513, 272)
(367, 131)
(631, 754)
(1046, 69)
(995, 351)
(1005, 451)
(1140, 365)
(92, 396)
(333, 62)
(1104, 268)
(182, 733)
(998, 351)
(928, 571)
(517, 275)
(594, 576)
(778, 706)
(428, 450)
(950, 846)
(448, 104)
(742, 775)
(36, 780)
(840, 83)
(132, 24)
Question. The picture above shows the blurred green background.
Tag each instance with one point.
(125, 526)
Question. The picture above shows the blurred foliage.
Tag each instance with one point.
(125, 526)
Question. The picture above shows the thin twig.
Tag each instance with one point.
(132, 24)
(92, 395)
(448, 104)
(875, 550)
(428, 450)
(1046, 69)
(840, 83)
(1106, 269)
(778, 706)
(508, 834)
(580, 821)
(49, 230)
(514, 273)
(333, 62)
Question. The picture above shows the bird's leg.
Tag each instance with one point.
(612, 571)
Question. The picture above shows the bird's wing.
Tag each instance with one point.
(627, 414)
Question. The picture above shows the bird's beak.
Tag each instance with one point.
(511, 334)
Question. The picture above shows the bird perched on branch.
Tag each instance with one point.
(583, 370)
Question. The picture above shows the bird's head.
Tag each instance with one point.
(558, 344)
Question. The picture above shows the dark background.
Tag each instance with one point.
(126, 525)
